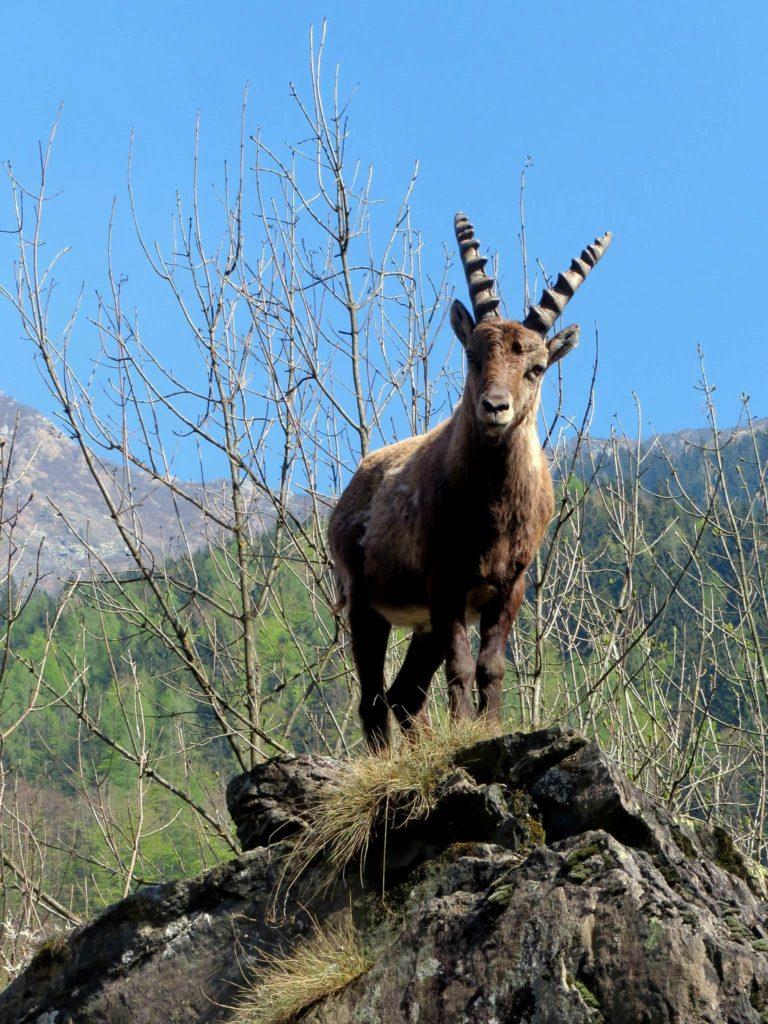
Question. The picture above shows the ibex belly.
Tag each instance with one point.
(401, 597)
(413, 616)
(416, 616)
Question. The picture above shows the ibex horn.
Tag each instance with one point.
(554, 300)
(485, 303)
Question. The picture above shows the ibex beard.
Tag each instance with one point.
(437, 532)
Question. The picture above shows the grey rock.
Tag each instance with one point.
(543, 888)
(274, 800)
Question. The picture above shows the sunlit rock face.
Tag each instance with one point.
(543, 887)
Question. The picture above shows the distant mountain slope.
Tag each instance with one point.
(48, 471)
(681, 459)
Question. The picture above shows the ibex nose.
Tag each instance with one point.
(495, 402)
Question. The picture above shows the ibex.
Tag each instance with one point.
(437, 531)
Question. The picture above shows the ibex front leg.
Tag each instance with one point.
(459, 670)
(447, 612)
(495, 624)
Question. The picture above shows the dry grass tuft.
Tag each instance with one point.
(370, 788)
(317, 967)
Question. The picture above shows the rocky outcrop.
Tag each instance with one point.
(543, 887)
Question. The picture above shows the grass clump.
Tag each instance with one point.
(369, 790)
(282, 986)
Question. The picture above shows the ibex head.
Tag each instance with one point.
(507, 359)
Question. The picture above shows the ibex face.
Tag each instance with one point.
(505, 366)
(506, 359)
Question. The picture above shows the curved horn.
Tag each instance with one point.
(554, 300)
(485, 303)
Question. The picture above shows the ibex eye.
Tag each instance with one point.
(535, 371)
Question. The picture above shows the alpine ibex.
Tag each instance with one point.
(437, 531)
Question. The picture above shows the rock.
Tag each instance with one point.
(275, 799)
(543, 887)
(163, 954)
(583, 931)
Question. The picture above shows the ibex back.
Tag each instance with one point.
(437, 532)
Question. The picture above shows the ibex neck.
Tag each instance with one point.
(495, 464)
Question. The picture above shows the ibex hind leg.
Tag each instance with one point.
(407, 697)
(370, 633)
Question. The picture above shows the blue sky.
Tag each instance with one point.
(648, 119)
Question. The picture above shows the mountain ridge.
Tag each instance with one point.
(61, 509)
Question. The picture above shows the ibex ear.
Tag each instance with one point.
(562, 343)
(461, 321)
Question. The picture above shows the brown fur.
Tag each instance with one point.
(439, 529)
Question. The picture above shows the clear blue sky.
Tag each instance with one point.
(648, 119)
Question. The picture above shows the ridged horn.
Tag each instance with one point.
(554, 300)
(485, 302)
